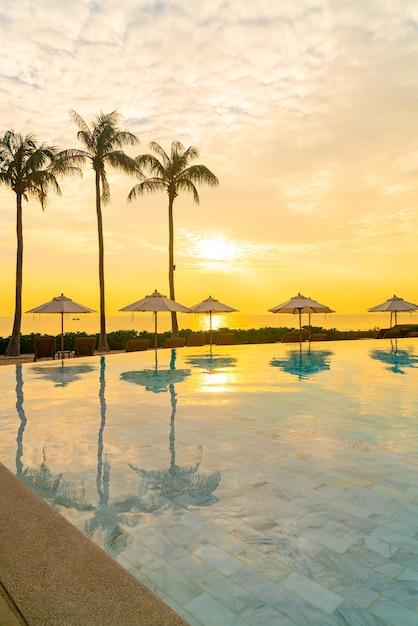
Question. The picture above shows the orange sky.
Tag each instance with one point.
(306, 112)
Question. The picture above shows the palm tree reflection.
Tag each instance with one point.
(304, 364)
(396, 358)
(105, 525)
(177, 487)
(50, 486)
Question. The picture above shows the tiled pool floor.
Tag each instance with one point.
(259, 485)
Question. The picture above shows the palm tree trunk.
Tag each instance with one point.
(103, 345)
(171, 266)
(13, 348)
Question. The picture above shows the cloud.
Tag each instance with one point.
(306, 111)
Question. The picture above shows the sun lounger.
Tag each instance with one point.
(318, 337)
(45, 348)
(225, 339)
(174, 342)
(198, 339)
(293, 337)
(135, 345)
(84, 346)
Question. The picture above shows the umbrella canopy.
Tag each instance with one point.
(394, 306)
(300, 304)
(210, 305)
(156, 302)
(61, 304)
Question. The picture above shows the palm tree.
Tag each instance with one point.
(172, 174)
(28, 169)
(103, 141)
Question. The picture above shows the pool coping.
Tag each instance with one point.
(54, 574)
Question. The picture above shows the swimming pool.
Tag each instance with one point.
(259, 484)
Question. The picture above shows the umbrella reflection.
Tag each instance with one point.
(396, 358)
(304, 364)
(212, 363)
(157, 380)
(62, 374)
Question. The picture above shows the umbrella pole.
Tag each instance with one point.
(300, 325)
(155, 330)
(210, 328)
(62, 335)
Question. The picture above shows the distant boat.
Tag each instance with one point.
(76, 318)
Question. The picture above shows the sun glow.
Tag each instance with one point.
(211, 247)
(216, 248)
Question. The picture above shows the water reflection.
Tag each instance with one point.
(397, 359)
(176, 487)
(52, 487)
(105, 525)
(212, 363)
(62, 374)
(157, 380)
(304, 364)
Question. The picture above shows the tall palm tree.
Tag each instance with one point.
(28, 169)
(103, 141)
(172, 174)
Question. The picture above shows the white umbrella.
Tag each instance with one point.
(210, 305)
(155, 303)
(395, 305)
(61, 304)
(300, 304)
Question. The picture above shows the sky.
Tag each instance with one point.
(307, 112)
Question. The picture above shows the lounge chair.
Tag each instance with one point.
(198, 339)
(318, 337)
(295, 336)
(135, 345)
(84, 346)
(225, 339)
(174, 342)
(45, 348)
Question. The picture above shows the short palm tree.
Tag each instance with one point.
(173, 174)
(103, 142)
(28, 169)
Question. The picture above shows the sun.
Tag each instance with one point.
(216, 248)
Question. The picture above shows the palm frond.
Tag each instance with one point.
(152, 164)
(121, 161)
(160, 152)
(187, 185)
(150, 185)
(105, 195)
(82, 125)
(200, 174)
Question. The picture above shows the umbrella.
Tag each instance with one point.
(61, 304)
(299, 304)
(210, 305)
(155, 303)
(394, 305)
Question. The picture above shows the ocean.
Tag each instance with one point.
(89, 323)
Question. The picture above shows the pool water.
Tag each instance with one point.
(257, 484)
